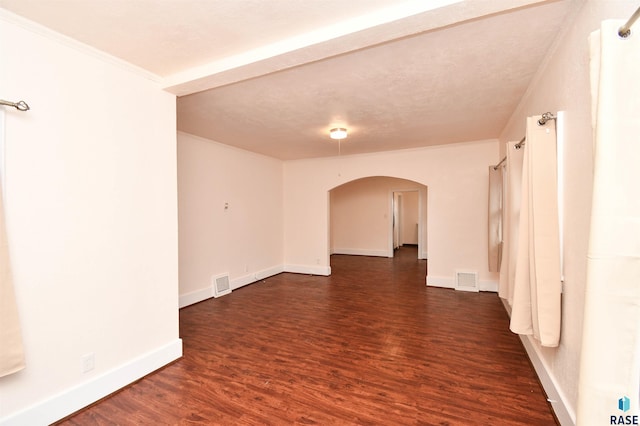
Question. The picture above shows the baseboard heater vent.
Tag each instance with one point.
(467, 281)
(221, 285)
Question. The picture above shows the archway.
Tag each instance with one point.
(366, 213)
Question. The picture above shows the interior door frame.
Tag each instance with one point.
(421, 220)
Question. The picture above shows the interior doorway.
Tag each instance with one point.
(406, 219)
(364, 219)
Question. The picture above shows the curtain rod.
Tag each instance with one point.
(625, 30)
(541, 122)
(516, 146)
(20, 105)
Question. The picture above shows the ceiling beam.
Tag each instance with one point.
(381, 26)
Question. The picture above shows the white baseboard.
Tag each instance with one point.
(564, 413)
(195, 297)
(361, 252)
(486, 285)
(78, 397)
(365, 252)
(446, 282)
(256, 276)
(207, 292)
(308, 269)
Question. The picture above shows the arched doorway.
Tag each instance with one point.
(374, 215)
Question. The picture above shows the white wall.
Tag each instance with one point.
(562, 84)
(92, 222)
(457, 208)
(245, 238)
(361, 215)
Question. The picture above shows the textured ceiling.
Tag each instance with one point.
(273, 76)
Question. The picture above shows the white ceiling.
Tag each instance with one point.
(273, 76)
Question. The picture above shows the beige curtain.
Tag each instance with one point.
(537, 287)
(510, 220)
(610, 358)
(495, 218)
(11, 351)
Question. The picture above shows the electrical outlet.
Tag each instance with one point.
(87, 362)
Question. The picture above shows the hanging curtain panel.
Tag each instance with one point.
(610, 359)
(495, 218)
(510, 220)
(537, 287)
(11, 350)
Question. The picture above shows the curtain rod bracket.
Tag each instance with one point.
(20, 105)
(625, 30)
(546, 117)
(541, 122)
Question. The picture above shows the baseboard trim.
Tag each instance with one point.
(194, 297)
(556, 398)
(236, 283)
(361, 252)
(365, 252)
(68, 402)
(486, 285)
(207, 293)
(565, 415)
(445, 282)
(308, 269)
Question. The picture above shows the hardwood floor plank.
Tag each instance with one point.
(370, 345)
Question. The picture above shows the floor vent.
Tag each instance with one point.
(221, 285)
(467, 281)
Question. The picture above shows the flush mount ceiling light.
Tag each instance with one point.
(338, 133)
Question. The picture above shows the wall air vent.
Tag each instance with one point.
(221, 285)
(467, 281)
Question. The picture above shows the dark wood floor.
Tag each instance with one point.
(370, 345)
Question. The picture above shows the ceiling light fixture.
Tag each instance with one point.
(338, 133)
